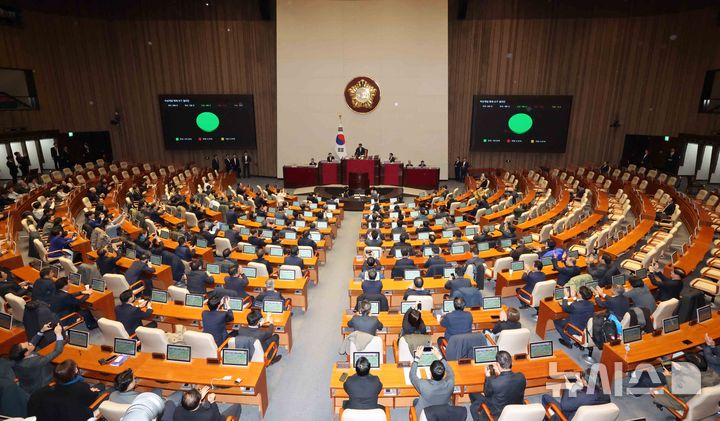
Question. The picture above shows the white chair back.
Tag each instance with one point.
(117, 284)
(704, 404)
(153, 339)
(260, 269)
(17, 306)
(363, 415)
(113, 411)
(296, 269)
(606, 412)
(222, 244)
(664, 310)
(375, 345)
(202, 344)
(177, 293)
(514, 341)
(530, 412)
(110, 330)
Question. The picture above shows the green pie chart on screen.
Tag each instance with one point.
(207, 121)
(520, 123)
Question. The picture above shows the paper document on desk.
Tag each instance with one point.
(117, 362)
(423, 373)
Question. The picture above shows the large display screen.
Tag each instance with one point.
(520, 123)
(208, 121)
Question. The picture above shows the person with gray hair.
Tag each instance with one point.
(617, 304)
(270, 293)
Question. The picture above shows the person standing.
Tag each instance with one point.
(645, 159)
(246, 160)
(458, 168)
(228, 163)
(55, 155)
(465, 169)
(236, 165)
(360, 152)
(13, 168)
(215, 164)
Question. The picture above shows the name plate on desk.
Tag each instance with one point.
(280, 329)
(247, 390)
(298, 292)
(390, 392)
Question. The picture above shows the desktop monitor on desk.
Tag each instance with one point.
(632, 334)
(194, 300)
(618, 280)
(457, 249)
(559, 293)
(276, 251)
(448, 306)
(470, 231)
(484, 246)
(315, 236)
(74, 279)
(6, 321)
(130, 254)
(407, 305)
(484, 354)
(704, 313)
(541, 349)
(372, 357)
(178, 353)
(159, 296)
(396, 237)
(423, 236)
(125, 346)
(273, 306)
(164, 234)
(237, 357)
(641, 273)
(492, 303)
(97, 285)
(574, 254)
(506, 243)
(411, 274)
(448, 272)
(248, 249)
(427, 251)
(546, 261)
(321, 225)
(156, 259)
(290, 235)
(236, 304)
(78, 338)
(305, 253)
(201, 242)
(517, 266)
(249, 272)
(286, 275)
(213, 268)
(447, 234)
(374, 308)
(527, 239)
(671, 324)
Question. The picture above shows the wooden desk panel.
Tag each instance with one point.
(295, 289)
(506, 282)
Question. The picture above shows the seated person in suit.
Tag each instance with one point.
(236, 282)
(552, 250)
(435, 260)
(262, 260)
(667, 288)
(416, 289)
(458, 321)
(197, 280)
(130, 316)
(579, 312)
(618, 304)
(214, 321)
(107, 260)
(438, 389)
(567, 272)
(293, 258)
(200, 405)
(36, 315)
(224, 261)
(64, 303)
(509, 319)
(373, 284)
(502, 387)
(370, 263)
(305, 240)
(255, 240)
(413, 323)
(640, 294)
(711, 352)
(401, 245)
(533, 276)
(8, 285)
(708, 378)
(71, 396)
(34, 371)
(457, 281)
(597, 267)
(586, 390)
(183, 250)
(265, 334)
(425, 227)
(422, 164)
(124, 389)
(380, 298)
(362, 388)
(44, 287)
(364, 322)
(141, 269)
(373, 239)
(269, 293)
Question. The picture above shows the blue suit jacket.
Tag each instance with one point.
(197, 281)
(457, 322)
(295, 261)
(237, 284)
(579, 312)
(130, 316)
(214, 324)
(531, 279)
(184, 253)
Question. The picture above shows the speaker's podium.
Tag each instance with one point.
(371, 167)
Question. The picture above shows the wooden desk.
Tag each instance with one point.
(482, 319)
(506, 283)
(172, 313)
(102, 302)
(643, 207)
(8, 338)
(205, 253)
(551, 310)
(578, 230)
(295, 289)
(389, 262)
(162, 278)
(394, 290)
(468, 377)
(11, 260)
(311, 264)
(170, 376)
(618, 361)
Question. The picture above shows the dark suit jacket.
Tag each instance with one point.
(445, 413)
(405, 261)
(107, 264)
(457, 283)
(667, 287)
(410, 291)
(294, 261)
(33, 321)
(214, 324)
(63, 303)
(206, 412)
(565, 273)
(139, 270)
(184, 253)
(72, 400)
(237, 284)
(362, 392)
(569, 405)
(197, 281)
(531, 279)
(579, 312)
(381, 298)
(506, 389)
(36, 371)
(457, 322)
(367, 324)
(43, 290)
(372, 287)
(617, 305)
(131, 317)
(262, 334)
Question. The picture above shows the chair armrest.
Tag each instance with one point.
(571, 326)
(679, 402)
(288, 303)
(490, 339)
(77, 321)
(93, 406)
(270, 353)
(231, 418)
(524, 296)
(138, 283)
(556, 409)
(247, 301)
(413, 413)
(396, 352)
(387, 413)
(485, 409)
